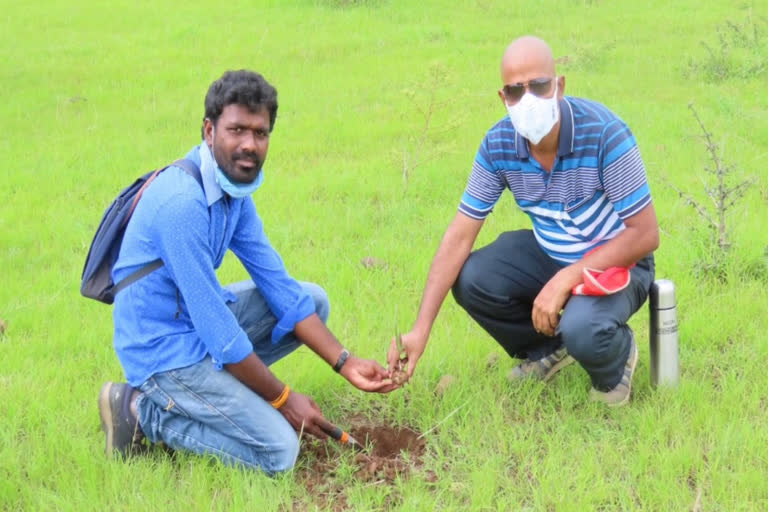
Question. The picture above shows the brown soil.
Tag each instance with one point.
(399, 377)
(390, 453)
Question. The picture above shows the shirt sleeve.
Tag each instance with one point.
(285, 297)
(484, 187)
(622, 171)
(180, 229)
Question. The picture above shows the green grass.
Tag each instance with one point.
(96, 93)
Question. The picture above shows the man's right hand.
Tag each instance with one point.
(367, 375)
(300, 410)
(413, 346)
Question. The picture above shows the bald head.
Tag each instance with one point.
(526, 58)
(528, 61)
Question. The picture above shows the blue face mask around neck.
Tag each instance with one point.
(237, 190)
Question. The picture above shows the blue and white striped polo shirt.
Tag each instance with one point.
(597, 180)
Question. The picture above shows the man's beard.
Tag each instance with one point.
(229, 167)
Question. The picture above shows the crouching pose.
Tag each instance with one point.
(196, 355)
(574, 167)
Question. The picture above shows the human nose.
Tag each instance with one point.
(249, 141)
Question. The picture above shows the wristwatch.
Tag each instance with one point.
(342, 359)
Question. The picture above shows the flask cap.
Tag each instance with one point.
(662, 294)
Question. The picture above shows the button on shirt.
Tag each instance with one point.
(597, 181)
(177, 315)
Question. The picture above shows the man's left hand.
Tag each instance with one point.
(550, 301)
(367, 375)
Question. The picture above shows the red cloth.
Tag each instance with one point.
(602, 282)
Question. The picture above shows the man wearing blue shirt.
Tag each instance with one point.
(196, 354)
(573, 166)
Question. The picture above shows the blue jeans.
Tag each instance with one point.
(208, 411)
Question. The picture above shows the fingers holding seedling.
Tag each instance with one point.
(399, 372)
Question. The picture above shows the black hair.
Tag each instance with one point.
(241, 87)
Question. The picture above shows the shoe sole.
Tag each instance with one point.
(635, 357)
(107, 421)
(567, 360)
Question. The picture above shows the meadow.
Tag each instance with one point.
(382, 107)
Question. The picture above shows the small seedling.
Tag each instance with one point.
(400, 374)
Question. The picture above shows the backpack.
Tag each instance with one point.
(96, 279)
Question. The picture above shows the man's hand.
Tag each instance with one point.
(367, 375)
(551, 300)
(300, 410)
(413, 346)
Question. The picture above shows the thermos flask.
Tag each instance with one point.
(665, 364)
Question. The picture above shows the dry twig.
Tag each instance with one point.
(442, 420)
(722, 195)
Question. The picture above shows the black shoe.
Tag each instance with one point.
(122, 429)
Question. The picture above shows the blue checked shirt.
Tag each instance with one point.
(177, 315)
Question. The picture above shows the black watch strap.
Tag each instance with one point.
(342, 359)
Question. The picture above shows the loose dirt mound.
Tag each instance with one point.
(390, 453)
(387, 448)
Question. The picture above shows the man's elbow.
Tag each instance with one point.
(653, 239)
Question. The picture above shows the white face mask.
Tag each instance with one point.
(534, 117)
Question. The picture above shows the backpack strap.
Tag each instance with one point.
(190, 168)
(139, 193)
(143, 271)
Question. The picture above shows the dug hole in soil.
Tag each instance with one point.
(390, 452)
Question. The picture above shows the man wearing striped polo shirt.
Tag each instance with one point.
(575, 169)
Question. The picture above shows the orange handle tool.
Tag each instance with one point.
(343, 437)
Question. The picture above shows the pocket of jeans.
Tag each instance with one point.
(149, 387)
(159, 397)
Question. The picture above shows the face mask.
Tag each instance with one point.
(234, 189)
(534, 117)
(237, 190)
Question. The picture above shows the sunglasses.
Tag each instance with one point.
(538, 87)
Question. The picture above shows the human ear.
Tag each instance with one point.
(208, 131)
(502, 98)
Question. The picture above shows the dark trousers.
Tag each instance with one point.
(497, 287)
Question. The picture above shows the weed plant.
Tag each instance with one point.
(735, 51)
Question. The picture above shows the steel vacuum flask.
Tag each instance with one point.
(665, 363)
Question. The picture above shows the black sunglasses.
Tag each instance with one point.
(538, 87)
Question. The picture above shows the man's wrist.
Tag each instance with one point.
(572, 274)
(422, 330)
(278, 402)
(341, 360)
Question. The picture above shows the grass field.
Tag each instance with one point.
(97, 93)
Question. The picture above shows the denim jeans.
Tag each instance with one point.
(497, 287)
(208, 411)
